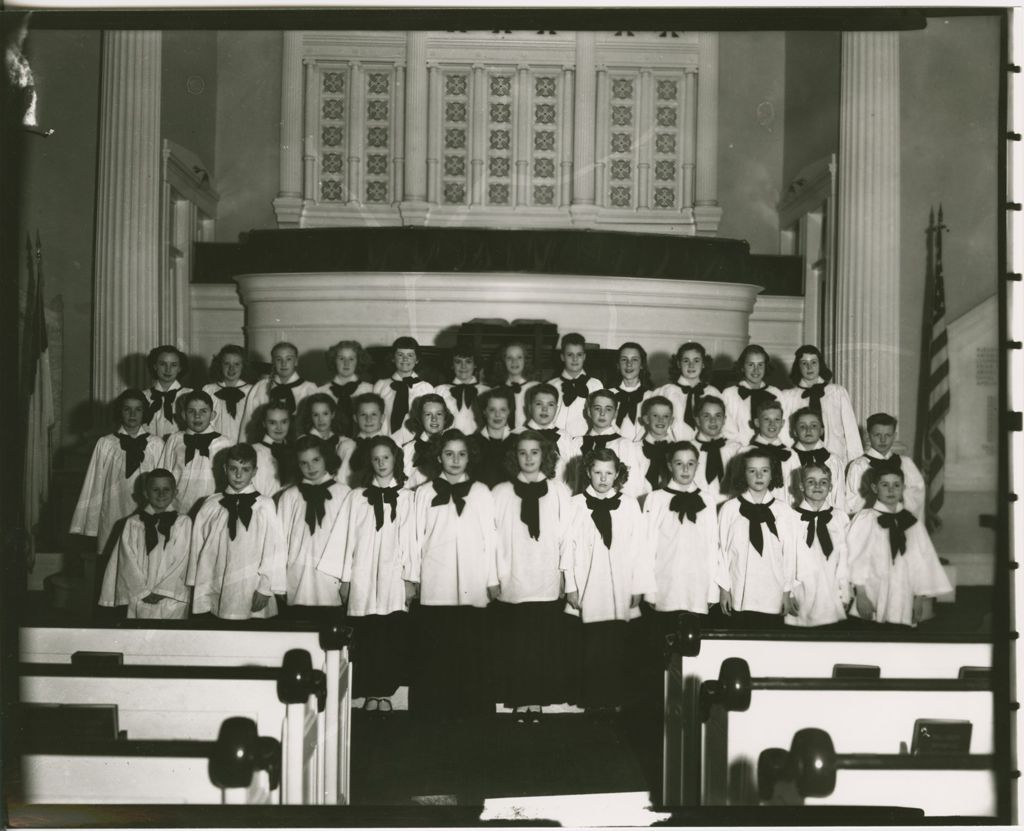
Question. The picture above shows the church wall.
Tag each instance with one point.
(812, 100)
(189, 116)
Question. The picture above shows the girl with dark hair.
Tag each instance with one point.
(633, 386)
(167, 365)
(428, 419)
(494, 438)
(460, 396)
(742, 399)
(230, 391)
(690, 370)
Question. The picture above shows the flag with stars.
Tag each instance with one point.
(934, 448)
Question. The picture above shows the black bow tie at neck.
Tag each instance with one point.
(817, 525)
(814, 394)
(597, 442)
(230, 396)
(377, 497)
(315, 496)
(812, 457)
(628, 402)
(693, 396)
(529, 511)
(279, 450)
(447, 492)
(134, 448)
(161, 522)
(601, 514)
(239, 507)
(883, 466)
(163, 399)
(282, 393)
(464, 395)
(198, 442)
(897, 525)
(400, 407)
(421, 452)
(343, 392)
(686, 504)
(515, 386)
(573, 388)
(654, 452)
(714, 468)
(756, 516)
(755, 396)
(552, 434)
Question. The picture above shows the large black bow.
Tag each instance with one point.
(552, 434)
(315, 496)
(239, 507)
(230, 396)
(279, 450)
(400, 407)
(447, 492)
(601, 513)
(164, 399)
(343, 392)
(897, 525)
(573, 388)
(693, 396)
(686, 504)
(814, 394)
(812, 457)
(628, 402)
(198, 442)
(755, 396)
(714, 468)
(283, 394)
(654, 452)
(817, 524)
(464, 395)
(529, 511)
(756, 516)
(597, 442)
(161, 522)
(134, 448)
(883, 466)
(377, 497)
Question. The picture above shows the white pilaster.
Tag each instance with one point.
(288, 204)
(126, 312)
(414, 198)
(707, 212)
(583, 210)
(867, 356)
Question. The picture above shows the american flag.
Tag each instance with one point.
(37, 392)
(934, 449)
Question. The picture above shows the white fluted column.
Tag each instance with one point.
(126, 312)
(583, 210)
(414, 206)
(706, 210)
(867, 359)
(288, 204)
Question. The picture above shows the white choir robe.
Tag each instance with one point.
(631, 426)
(713, 490)
(266, 479)
(383, 389)
(465, 419)
(575, 476)
(414, 477)
(306, 585)
(458, 555)
(781, 494)
(133, 574)
(223, 422)
(842, 433)
(566, 447)
(757, 581)
(106, 494)
(375, 563)
(362, 387)
(520, 416)
(738, 416)
(195, 479)
(159, 424)
(791, 476)
(914, 490)
(260, 395)
(686, 555)
(821, 586)
(632, 453)
(674, 393)
(571, 419)
(529, 570)
(890, 586)
(606, 579)
(225, 572)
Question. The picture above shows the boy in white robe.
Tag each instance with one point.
(716, 451)
(768, 422)
(309, 512)
(809, 448)
(691, 369)
(190, 455)
(403, 386)
(368, 412)
(351, 365)
(573, 386)
(881, 458)
(146, 571)
(820, 588)
(238, 556)
(647, 456)
(117, 460)
(461, 394)
(633, 387)
(229, 393)
(742, 399)
(542, 406)
(166, 365)
(757, 538)
(601, 434)
(893, 564)
(274, 454)
(284, 387)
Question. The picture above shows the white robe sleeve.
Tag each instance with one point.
(914, 492)
(273, 576)
(851, 429)
(167, 577)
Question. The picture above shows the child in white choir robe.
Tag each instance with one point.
(167, 364)
(806, 428)
(229, 393)
(542, 406)
(372, 552)
(609, 570)
(601, 433)
(368, 411)
(461, 394)
(117, 460)
(284, 387)
(633, 386)
(646, 457)
(815, 389)
(190, 455)
(456, 546)
(820, 588)
(716, 451)
(757, 538)
(533, 513)
(573, 386)
(274, 451)
(403, 386)
(320, 414)
(691, 370)
(767, 424)
(238, 556)
(146, 571)
(428, 418)
(495, 437)
(893, 564)
(512, 371)
(881, 458)
(309, 512)
(742, 400)
(351, 365)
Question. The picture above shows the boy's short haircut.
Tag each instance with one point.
(363, 359)
(197, 395)
(167, 348)
(367, 398)
(883, 419)
(606, 454)
(548, 454)
(405, 342)
(653, 401)
(160, 473)
(573, 339)
(130, 394)
(678, 446)
(244, 453)
(361, 461)
(765, 404)
(807, 468)
(275, 405)
(710, 399)
(277, 347)
(809, 349)
(231, 349)
(320, 398)
(540, 389)
(602, 393)
(465, 351)
(675, 363)
(872, 477)
(752, 349)
(805, 411)
(330, 457)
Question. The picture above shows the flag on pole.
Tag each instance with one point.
(934, 448)
(37, 392)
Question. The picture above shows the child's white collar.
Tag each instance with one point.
(397, 376)
(627, 387)
(319, 435)
(506, 431)
(764, 441)
(236, 385)
(392, 483)
(650, 438)
(604, 431)
(209, 429)
(750, 496)
(341, 381)
(522, 477)
(568, 377)
(268, 440)
(610, 494)
(805, 505)
(701, 436)
(142, 431)
(884, 509)
(362, 435)
(326, 477)
(818, 445)
(457, 383)
(874, 454)
(175, 385)
(275, 381)
(674, 487)
(463, 477)
(808, 384)
(749, 386)
(250, 488)
(149, 509)
(533, 425)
